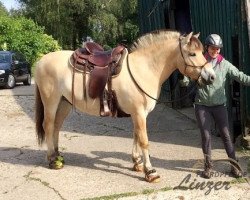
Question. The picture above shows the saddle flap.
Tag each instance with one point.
(98, 80)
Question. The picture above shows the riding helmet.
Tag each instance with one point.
(214, 40)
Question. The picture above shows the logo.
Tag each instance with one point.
(207, 185)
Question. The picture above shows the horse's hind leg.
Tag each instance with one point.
(140, 132)
(50, 101)
(62, 112)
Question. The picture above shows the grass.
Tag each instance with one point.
(129, 194)
(114, 196)
(239, 180)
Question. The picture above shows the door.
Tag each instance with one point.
(21, 67)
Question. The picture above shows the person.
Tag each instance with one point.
(210, 103)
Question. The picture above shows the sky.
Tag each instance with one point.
(10, 4)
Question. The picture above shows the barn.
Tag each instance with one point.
(228, 18)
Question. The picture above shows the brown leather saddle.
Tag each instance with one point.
(101, 65)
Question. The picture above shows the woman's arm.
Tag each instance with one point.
(237, 75)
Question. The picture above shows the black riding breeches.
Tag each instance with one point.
(204, 115)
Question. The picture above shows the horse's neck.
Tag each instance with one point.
(158, 61)
(164, 62)
(152, 66)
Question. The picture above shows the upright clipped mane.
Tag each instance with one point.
(153, 37)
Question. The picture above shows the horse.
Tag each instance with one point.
(150, 61)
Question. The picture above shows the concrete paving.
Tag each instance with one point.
(97, 153)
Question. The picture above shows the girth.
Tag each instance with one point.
(101, 66)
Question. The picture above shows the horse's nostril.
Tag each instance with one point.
(212, 78)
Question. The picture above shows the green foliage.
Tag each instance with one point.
(114, 21)
(64, 19)
(104, 28)
(107, 22)
(70, 21)
(21, 34)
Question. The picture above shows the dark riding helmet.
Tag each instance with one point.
(214, 40)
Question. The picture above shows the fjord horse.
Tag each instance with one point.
(151, 61)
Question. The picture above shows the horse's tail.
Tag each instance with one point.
(39, 117)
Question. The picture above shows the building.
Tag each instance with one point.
(228, 18)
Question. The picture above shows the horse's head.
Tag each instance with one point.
(191, 61)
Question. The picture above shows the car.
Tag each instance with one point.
(14, 68)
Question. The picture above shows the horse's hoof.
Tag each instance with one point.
(58, 163)
(151, 176)
(60, 158)
(138, 164)
(138, 167)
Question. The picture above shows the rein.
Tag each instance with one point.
(137, 83)
(170, 101)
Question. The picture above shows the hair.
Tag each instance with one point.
(153, 37)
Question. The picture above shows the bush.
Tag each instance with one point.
(23, 35)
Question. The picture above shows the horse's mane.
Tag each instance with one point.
(153, 37)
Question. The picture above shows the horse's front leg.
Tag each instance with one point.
(136, 157)
(140, 132)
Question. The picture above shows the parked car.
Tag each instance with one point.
(13, 69)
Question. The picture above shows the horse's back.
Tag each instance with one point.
(53, 65)
(51, 71)
(57, 59)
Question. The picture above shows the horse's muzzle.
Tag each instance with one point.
(207, 77)
(202, 81)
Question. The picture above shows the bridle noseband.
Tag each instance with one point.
(186, 64)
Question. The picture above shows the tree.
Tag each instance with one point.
(70, 21)
(64, 19)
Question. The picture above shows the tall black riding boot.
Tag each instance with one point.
(207, 167)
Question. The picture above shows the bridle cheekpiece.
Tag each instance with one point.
(186, 64)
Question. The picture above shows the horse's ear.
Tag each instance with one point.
(188, 37)
(197, 35)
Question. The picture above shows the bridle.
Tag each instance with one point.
(186, 64)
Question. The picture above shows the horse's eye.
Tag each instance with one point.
(192, 54)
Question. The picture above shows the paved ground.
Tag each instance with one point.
(97, 153)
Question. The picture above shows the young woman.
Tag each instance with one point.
(210, 102)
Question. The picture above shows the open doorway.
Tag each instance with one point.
(177, 17)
